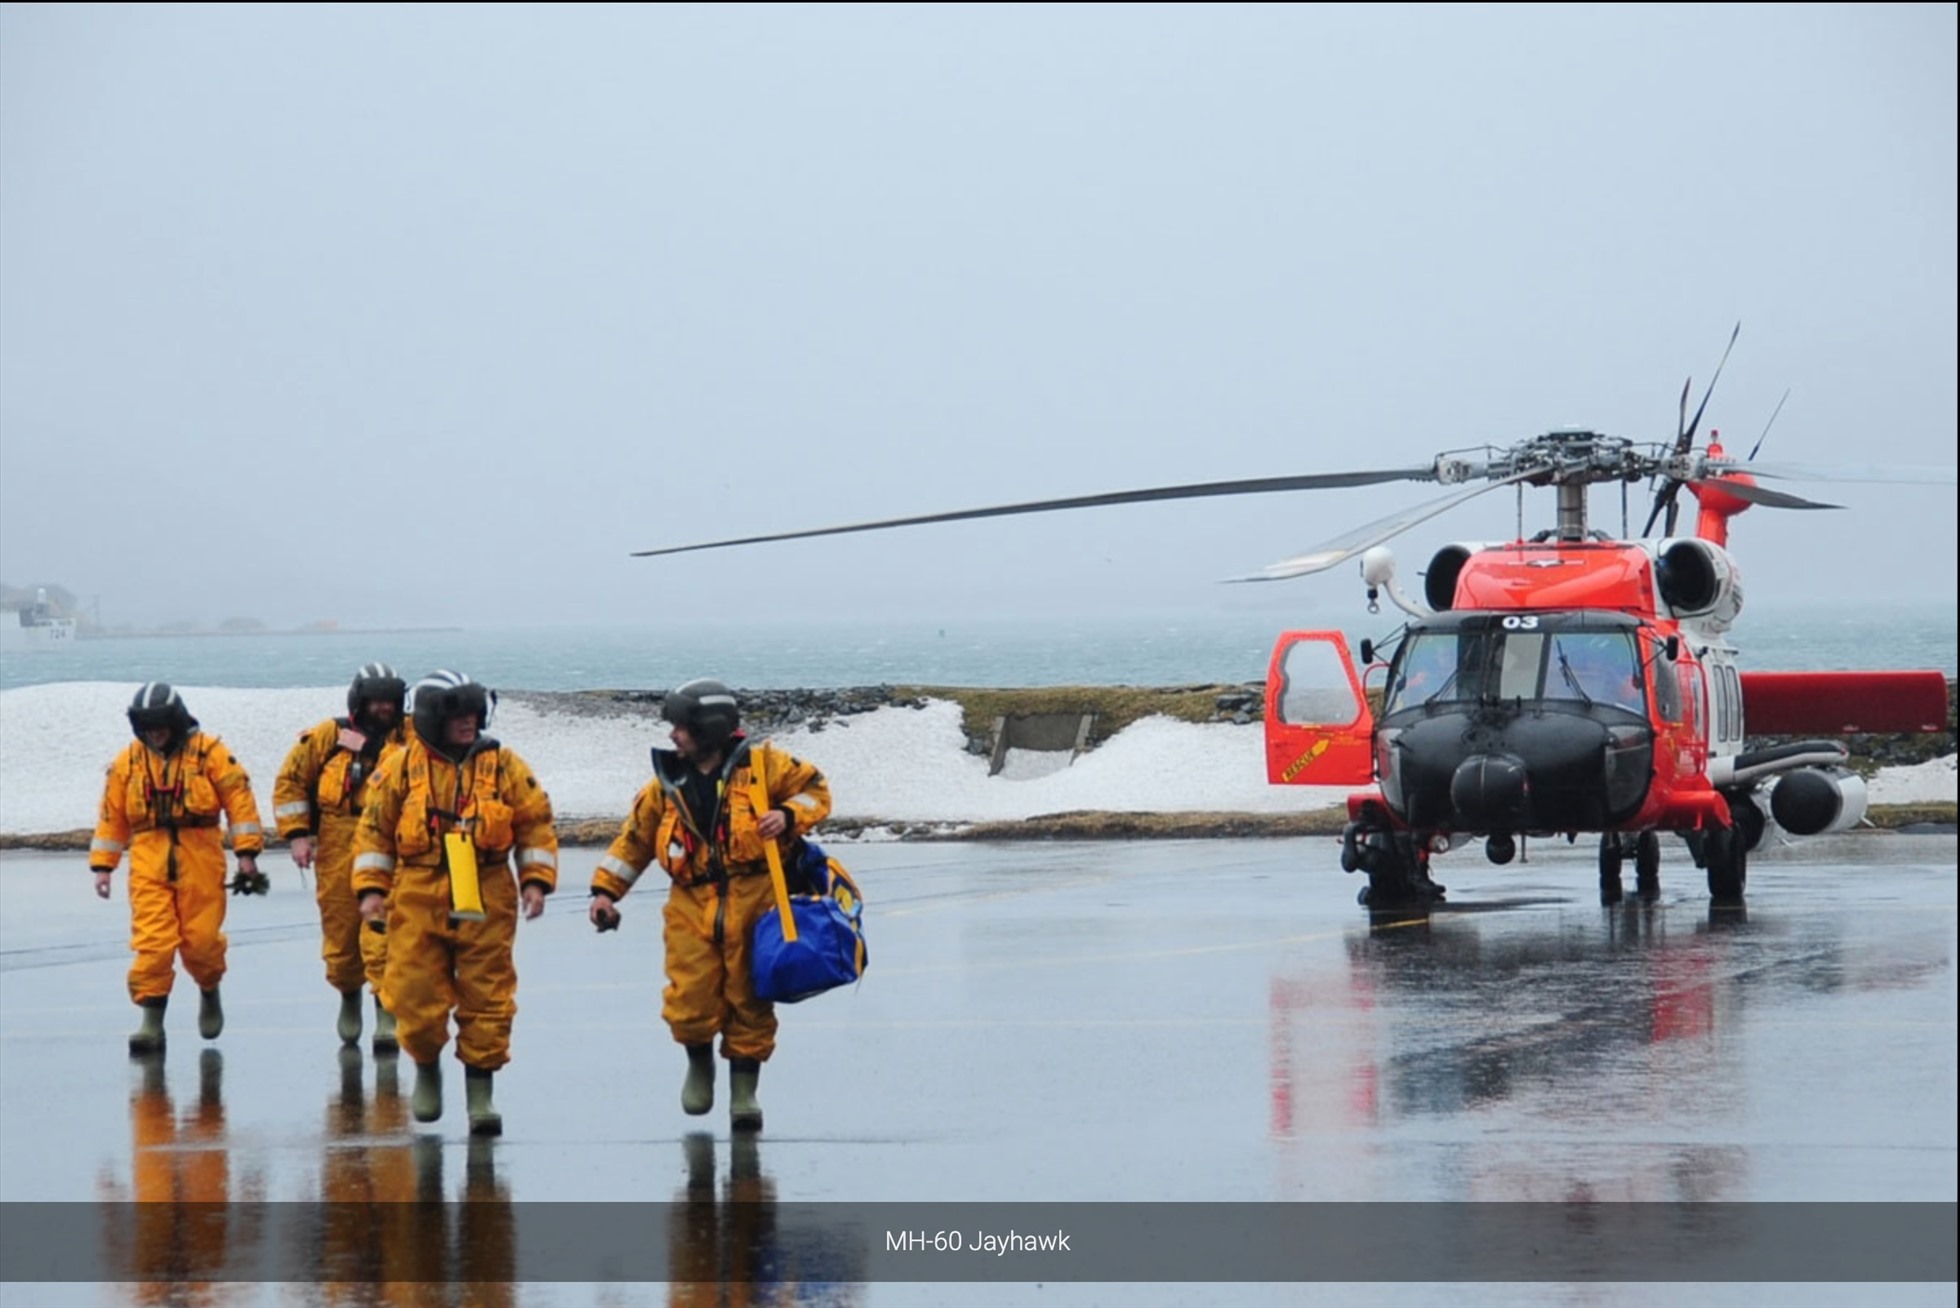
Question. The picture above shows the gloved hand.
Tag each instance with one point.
(253, 882)
(604, 914)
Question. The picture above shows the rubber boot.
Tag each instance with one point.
(349, 1024)
(426, 1100)
(384, 1029)
(744, 1113)
(698, 1091)
(484, 1117)
(148, 1038)
(210, 1014)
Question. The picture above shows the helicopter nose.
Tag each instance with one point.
(1490, 791)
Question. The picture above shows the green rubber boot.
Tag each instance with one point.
(148, 1038)
(744, 1113)
(484, 1117)
(384, 1029)
(698, 1091)
(349, 1023)
(210, 1014)
(426, 1101)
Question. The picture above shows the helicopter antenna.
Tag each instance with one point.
(1766, 426)
(1664, 500)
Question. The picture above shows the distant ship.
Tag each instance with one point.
(38, 626)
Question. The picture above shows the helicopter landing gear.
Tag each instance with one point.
(1647, 866)
(1614, 847)
(1611, 855)
(1726, 853)
(1398, 875)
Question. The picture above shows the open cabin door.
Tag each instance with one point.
(1319, 727)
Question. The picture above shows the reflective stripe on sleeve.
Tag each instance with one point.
(537, 858)
(285, 811)
(374, 863)
(106, 847)
(802, 801)
(247, 829)
(620, 868)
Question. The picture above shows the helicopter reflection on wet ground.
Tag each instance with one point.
(1205, 1021)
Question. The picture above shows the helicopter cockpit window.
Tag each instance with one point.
(1426, 669)
(1518, 660)
(1600, 667)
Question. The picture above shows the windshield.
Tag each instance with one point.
(1469, 663)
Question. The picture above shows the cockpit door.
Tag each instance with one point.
(1319, 727)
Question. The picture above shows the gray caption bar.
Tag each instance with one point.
(851, 1242)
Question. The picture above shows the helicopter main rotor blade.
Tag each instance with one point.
(1366, 537)
(1190, 491)
(1774, 499)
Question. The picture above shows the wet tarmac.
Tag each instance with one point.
(1205, 1022)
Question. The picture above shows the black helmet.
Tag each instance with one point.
(375, 681)
(158, 707)
(443, 695)
(706, 708)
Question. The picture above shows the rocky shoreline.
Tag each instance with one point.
(1109, 709)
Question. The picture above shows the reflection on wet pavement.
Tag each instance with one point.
(1203, 1021)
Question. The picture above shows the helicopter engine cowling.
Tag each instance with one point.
(1439, 582)
(1698, 580)
(1817, 801)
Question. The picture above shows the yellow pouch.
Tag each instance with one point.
(490, 826)
(200, 796)
(465, 892)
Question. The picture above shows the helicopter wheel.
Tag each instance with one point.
(1397, 881)
(1611, 856)
(1728, 865)
(1647, 866)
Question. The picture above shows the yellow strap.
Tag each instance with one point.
(759, 790)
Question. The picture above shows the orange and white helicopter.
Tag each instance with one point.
(1560, 684)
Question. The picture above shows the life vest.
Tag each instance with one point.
(181, 796)
(344, 776)
(483, 813)
(691, 856)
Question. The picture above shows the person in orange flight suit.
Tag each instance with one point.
(449, 801)
(698, 818)
(316, 803)
(163, 801)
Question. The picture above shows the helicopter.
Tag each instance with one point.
(1565, 683)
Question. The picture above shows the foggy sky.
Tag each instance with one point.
(430, 315)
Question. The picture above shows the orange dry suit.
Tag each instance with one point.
(437, 963)
(319, 792)
(720, 884)
(164, 809)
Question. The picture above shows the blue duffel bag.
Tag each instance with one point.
(824, 945)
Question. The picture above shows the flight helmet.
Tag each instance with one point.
(443, 695)
(706, 708)
(158, 706)
(375, 681)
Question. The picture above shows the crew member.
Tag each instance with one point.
(442, 820)
(698, 818)
(316, 803)
(162, 802)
